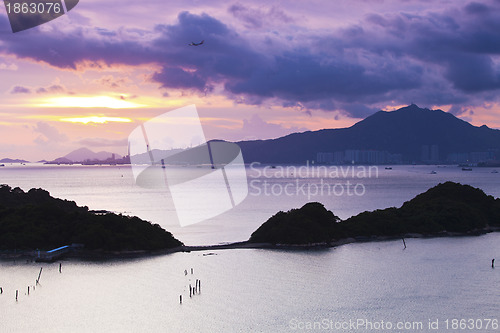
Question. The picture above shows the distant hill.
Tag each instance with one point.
(83, 154)
(10, 160)
(403, 131)
(61, 160)
(446, 208)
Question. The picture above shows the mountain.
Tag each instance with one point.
(84, 154)
(404, 131)
(10, 160)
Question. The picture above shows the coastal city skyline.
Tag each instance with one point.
(265, 69)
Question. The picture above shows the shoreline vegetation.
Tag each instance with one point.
(33, 219)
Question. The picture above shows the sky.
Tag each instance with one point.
(266, 68)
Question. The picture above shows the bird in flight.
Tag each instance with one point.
(196, 44)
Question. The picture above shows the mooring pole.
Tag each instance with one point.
(404, 243)
(37, 280)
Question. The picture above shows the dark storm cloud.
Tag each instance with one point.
(476, 8)
(461, 47)
(225, 56)
(444, 57)
(305, 77)
(66, 50)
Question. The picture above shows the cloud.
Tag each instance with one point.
(10, 67)
(476, 8)
(112, 82)
(53, 89)
(48, 134)
(459, 46)
(358, 110)
(254, 18)
(433, 57)
(256, 127)
(20, 90)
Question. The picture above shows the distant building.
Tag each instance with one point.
(472, 157)
(359, 157)
(429, 154)
(424, 154)
(434, 158)
(324, 158)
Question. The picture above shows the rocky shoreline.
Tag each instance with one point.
(100, 255)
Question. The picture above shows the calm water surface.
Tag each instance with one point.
(254, 290)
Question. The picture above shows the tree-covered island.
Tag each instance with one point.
(446, 209)
(35, 220)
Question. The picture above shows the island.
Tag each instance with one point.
(447, 209)
(33, 221)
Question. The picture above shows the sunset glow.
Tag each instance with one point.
(96, 120)
(90, 102)
(265, 69)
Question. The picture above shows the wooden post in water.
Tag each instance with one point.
(191, 270)
(60, 265)
(190, 291)
(404, 243)
(16, 294)
(1, 290)
(180, 299)
(199, 281)
(37, 280)
(492, 263)
(28, 290)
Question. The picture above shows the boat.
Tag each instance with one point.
(494, 171)
(433, 172)
(388, 168)
(2, 165)
(466, 169)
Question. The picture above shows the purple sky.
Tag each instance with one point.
(267, 68)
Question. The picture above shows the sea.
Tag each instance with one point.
(432, 285)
